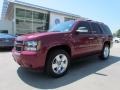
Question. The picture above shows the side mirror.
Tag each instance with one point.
(82, 31)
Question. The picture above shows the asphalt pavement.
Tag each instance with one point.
(90, 74)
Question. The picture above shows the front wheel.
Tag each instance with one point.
(58, 63)
(105, 52)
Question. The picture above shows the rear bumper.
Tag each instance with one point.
(29, 60)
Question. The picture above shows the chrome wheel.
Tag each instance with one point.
(106, 51)
(60, 64)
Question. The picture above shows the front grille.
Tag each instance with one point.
(18, 48)
(19, 42)
(19, 45)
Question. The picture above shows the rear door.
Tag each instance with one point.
(97, 38)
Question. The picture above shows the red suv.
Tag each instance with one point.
(53, 50)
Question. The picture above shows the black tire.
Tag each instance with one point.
(51, 59)
(102, 55)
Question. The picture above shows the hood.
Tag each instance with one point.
(35, 36)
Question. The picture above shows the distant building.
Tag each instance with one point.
(20, 17)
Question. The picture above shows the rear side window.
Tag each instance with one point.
(106, 29)
(96, 28)
(83, 28)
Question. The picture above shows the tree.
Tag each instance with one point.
(118, 33)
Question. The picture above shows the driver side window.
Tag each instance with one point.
(83, 28)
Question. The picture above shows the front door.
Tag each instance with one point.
(81, 38)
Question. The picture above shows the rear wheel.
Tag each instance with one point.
(105, 52)
(58, 63)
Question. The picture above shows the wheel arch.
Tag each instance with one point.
(107, 43)
(62, 47)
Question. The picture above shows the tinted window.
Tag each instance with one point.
(68, 19)
(28, 15)
(38, 15)
(20, 13)
(3, 31)
(83, 27)
(105, 29)
(96, 28)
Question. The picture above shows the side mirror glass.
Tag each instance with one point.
(82, 30)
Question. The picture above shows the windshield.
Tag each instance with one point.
(62, 27)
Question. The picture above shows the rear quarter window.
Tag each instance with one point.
(106, 29)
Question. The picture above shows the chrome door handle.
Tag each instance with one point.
(102, 37)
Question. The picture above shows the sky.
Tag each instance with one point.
(107, 11)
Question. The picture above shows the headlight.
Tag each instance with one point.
(32, 45)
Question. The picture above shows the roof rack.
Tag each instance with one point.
(89, 20)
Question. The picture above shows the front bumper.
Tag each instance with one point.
(30, 60)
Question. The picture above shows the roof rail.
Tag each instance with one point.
(88, 20)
